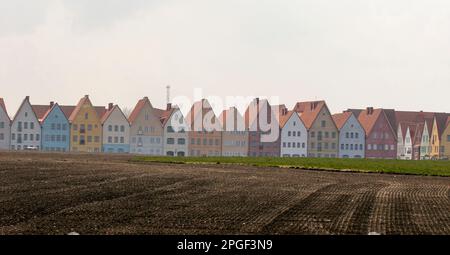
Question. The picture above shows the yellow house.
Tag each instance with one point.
(446, 140)
(437, 141)
(86, 127)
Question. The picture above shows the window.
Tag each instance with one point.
(116, 139)
(53, 126)
(170, 141)
(333, 135)
(97, 139)
(89, 127)
(31, 125)
(205, 141)
(75, 127)
(122, 139)
(293, 133)
(298, 145)
(448, 138)
(324, 123)
(352, 135)
(319, 135)
(327, 135)
(89, 139)
(116, 128)
(13, 137)
(181, 141)
(289, 133)
(298, 133)
(313, 134)
(170, 129)
(342, 146)
(25, 137)
(75, 138)
(31, 137)
(109, 139)
(289, 145)
(356, 135)
(122, 128)
(25, 125)
(58, 127)
(82, 128)
(110, 128)
(2, 137)
(86, 116)
(2, 124)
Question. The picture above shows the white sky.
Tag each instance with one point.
(352, 53)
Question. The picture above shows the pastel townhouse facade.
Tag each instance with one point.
(293, 135)
(25, 128)
(146, 130)
(381, 140)
(446, 140)
(116, 131)
(437, 139)
(205, 132)
(352, 137)
(425, 140)
(406, 134)
(55, 127)
(175, 132)
(323, 136)
(5, 127)
(261, 122)
(86, 127)
(234, 135)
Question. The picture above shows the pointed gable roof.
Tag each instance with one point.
(109, 111)
(164, 115)
(286, 116)
(368, 118)
(448, 121)
(26, 100)
(309, 111)
(3, 106)
(200, 109)
(138, 108)
(441, 121)
(42, 111)
(341, 118)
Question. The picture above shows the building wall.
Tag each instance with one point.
(323, 136)
(446, 142)
(381, 142)
(5, 130)
(116, 133)
(202, 143)
(352, 142)
(56, 131)
(86, 131)
(146, 133)
(400, 143)
(257, 148)
(234, 143)
(404, 145)
(294, 137)
(425, 148)
(26, 129)
(435, 142)
(176, 136)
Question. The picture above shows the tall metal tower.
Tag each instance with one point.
(168, 94)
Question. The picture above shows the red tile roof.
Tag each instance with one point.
(368, 118)
(138, 108)
(41, 111)
(309, 111)
(341, 118)
(441, 121)
(67, 110)
(3, 106)
(164, 115)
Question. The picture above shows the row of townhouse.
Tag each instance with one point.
(308, 130)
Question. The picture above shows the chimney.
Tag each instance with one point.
(146, 98)
(169, 106)
(86, 96)
(27, 98)
(110, 106)
(52, 104)
(369, 110)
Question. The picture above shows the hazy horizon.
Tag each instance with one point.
(351, 53)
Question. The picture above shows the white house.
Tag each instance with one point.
(5, 126)
(116, 131)
(405, 141)
(293, 135)
(175, 132)
(351, 135)
(146, 132)
(25, 128)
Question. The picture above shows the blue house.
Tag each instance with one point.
(55, 127)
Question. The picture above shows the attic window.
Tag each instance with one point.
(26, 114)
(86, 116)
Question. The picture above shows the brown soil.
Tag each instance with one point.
(100, 194)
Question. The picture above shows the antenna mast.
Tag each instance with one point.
(168, 94)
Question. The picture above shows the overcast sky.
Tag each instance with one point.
(352, 53)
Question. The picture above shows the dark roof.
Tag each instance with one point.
(3, 106)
